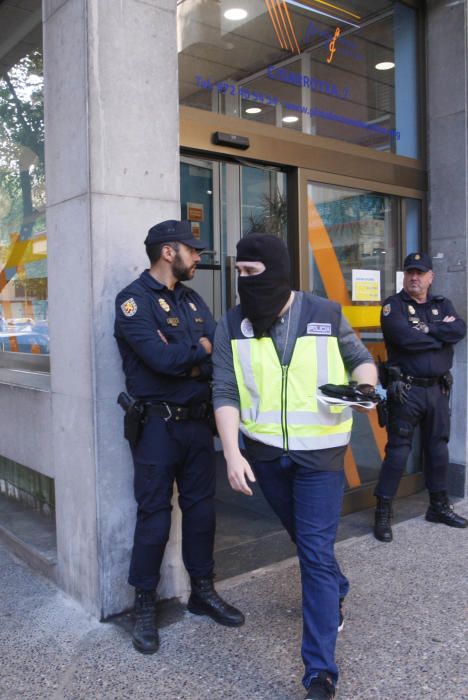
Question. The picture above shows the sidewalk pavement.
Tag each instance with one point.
(404, 635)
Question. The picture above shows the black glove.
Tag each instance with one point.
(350, 392)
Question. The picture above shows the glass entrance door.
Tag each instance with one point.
(355, 241)
(225, 201)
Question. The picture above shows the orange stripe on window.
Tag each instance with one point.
(273, 21)
(325, 258)
(290, 24)
(350, 469)
(380, 434)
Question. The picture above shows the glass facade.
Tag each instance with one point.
(325, 69)
(23, 238)
(355, 239)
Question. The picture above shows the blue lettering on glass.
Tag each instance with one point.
(301, 80)
(224, 87)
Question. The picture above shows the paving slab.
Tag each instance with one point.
(404, 636)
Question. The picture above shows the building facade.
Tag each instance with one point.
(342, 127)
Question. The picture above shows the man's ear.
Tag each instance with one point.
(167, 252)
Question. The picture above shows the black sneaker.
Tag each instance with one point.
(341, 613)
(321, 688)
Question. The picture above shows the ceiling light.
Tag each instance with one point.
(385, 65)
(235, 14)
(253, 110)
(290, 120)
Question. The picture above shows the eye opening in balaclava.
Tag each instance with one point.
(263, 296)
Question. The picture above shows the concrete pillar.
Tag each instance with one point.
(112, 165)
(446, 47)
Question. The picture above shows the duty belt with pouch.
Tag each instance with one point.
(134, 418)
(172, 412)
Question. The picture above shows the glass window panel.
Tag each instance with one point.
(354, 255)
(23, 238)
(320, 68)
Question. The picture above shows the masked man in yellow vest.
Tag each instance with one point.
(271, 353)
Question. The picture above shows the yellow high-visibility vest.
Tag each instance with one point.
(278, 403)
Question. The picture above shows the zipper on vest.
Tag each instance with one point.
(284, 407)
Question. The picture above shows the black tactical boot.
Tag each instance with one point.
(440, 511)
(205, 601)
(383, 519)
(145, 636)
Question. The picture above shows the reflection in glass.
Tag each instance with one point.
(307, 70)
(354, 254)
(23, 241)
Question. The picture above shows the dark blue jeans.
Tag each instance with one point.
(308, 503)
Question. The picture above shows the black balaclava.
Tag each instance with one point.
(263, 296)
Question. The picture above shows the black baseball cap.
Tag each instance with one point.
(418, 261)
(172, 230)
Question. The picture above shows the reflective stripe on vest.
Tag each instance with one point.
(278, 404)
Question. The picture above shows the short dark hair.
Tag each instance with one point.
(154, 250)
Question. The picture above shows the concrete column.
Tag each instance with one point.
(446, 47)
(112, 165)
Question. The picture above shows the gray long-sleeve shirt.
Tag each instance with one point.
(283, 334)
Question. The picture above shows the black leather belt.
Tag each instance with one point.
(172, 412)
(421, 381)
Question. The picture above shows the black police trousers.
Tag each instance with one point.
(428, 407)
(167, 451)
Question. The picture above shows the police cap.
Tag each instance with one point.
(172, 230)
(418, 261)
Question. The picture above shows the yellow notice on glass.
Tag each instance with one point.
(366, 285)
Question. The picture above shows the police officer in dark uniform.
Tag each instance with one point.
(165, 331)
(419, 330)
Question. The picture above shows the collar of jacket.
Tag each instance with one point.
(406, 297)
(149, 281)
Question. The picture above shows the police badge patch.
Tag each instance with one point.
(192, 306)
(164, 305)
(129, 307)
(386, 310)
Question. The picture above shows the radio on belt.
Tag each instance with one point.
(233, 140)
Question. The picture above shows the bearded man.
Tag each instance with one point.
(164, 331)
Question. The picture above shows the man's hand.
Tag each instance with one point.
(239, 470)
(448, 319)
(206, 344)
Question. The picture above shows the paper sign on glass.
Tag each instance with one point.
(366, 285)
(399, 281)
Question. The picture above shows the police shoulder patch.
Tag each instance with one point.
(386, 309)
(129, 307)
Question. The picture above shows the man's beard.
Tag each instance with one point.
(182, 272)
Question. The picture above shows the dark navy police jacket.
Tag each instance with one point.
(156, 370)
(417, 353)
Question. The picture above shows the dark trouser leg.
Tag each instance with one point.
(153, 485)
(318, 497)
(196, 481)
(402, 420)
(308, 503)
(276, 479)
(436, 431)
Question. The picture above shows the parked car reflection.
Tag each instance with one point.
(24, 335)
